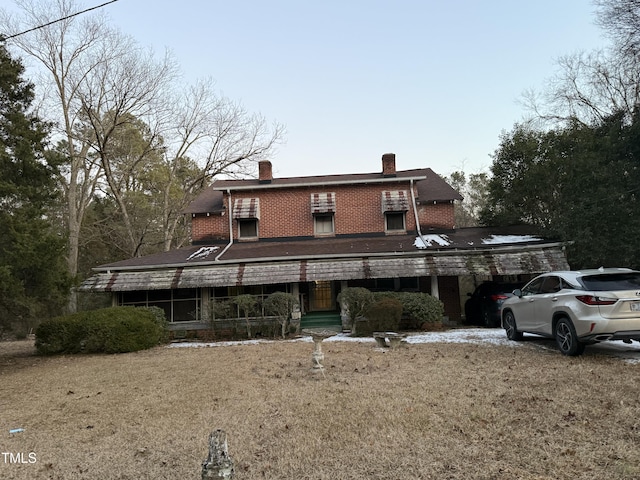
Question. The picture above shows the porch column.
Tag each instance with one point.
(343, 284)
(205, 304)
(434, 287)
(295, 291)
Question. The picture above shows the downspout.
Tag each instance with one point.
(415, 213)
(435, 292)
(230, 227)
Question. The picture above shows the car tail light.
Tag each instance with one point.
(592, 300)
(497, 297)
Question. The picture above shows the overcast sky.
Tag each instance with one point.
(434, 82)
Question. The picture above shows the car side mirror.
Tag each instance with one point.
(517, 292)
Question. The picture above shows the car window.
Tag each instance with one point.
(533, 287)
(612, 281)
(551, 284)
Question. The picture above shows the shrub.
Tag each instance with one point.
(108, 330)
(422, 308)
(281, 305)
(382, 316)
(248, 304)
(355, 301)
(418, 308)
(221, 309)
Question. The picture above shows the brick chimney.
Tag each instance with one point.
(389, 165)
(265, 174)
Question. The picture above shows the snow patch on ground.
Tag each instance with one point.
(466, 335)
(630, 353)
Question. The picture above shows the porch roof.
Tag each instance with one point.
(504, 260)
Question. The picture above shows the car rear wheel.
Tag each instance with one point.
(510, 326)
(567, 339)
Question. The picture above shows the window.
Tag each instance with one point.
(247, 212)
(395, 204)
(248, 228)
(323, 207)
(182, 305)
(551, 285)
(323, 224)
(394, 221)
(533, 288)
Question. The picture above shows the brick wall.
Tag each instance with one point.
(207, 228)
(287, 212)
(438, 215)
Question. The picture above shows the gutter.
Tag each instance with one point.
(217, 259)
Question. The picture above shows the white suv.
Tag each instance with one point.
(577, 308)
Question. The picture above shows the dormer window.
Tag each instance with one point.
(247, 213)
(395, 204)
(323, 224)
(323, 207)
(394, 222)
(248, 228)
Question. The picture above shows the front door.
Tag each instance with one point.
(321, 296)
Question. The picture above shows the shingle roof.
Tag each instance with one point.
(485, 238)
(431, 187)
(209, 201)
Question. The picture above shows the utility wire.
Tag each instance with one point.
(56, 21)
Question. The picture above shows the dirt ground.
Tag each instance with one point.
(424, 411)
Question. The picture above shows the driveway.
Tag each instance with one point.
(497, 336)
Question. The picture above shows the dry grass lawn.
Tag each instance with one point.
(432, 411)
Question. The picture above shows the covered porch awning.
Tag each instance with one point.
(510, 261)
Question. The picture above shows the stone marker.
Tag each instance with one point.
(218, 464)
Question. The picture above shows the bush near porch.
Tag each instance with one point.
(419, 310)
(251, 316)
(108, 330)
(382, 316)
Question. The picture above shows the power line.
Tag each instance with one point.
(56, 21)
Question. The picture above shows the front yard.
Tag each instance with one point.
(424, 411)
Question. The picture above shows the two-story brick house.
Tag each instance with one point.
(313, 236)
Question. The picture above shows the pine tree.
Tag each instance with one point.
(33, 282)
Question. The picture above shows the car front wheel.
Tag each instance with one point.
(510, 326)
(567, 339)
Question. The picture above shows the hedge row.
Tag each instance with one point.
(109, 330)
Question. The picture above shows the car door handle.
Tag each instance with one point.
(554, 299)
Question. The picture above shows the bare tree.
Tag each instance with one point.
(621, 21)
(118, 92)
(591, 86)
(587, 88)
(223, 138)
(79, 60)
(96, 81)
(192, 137)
